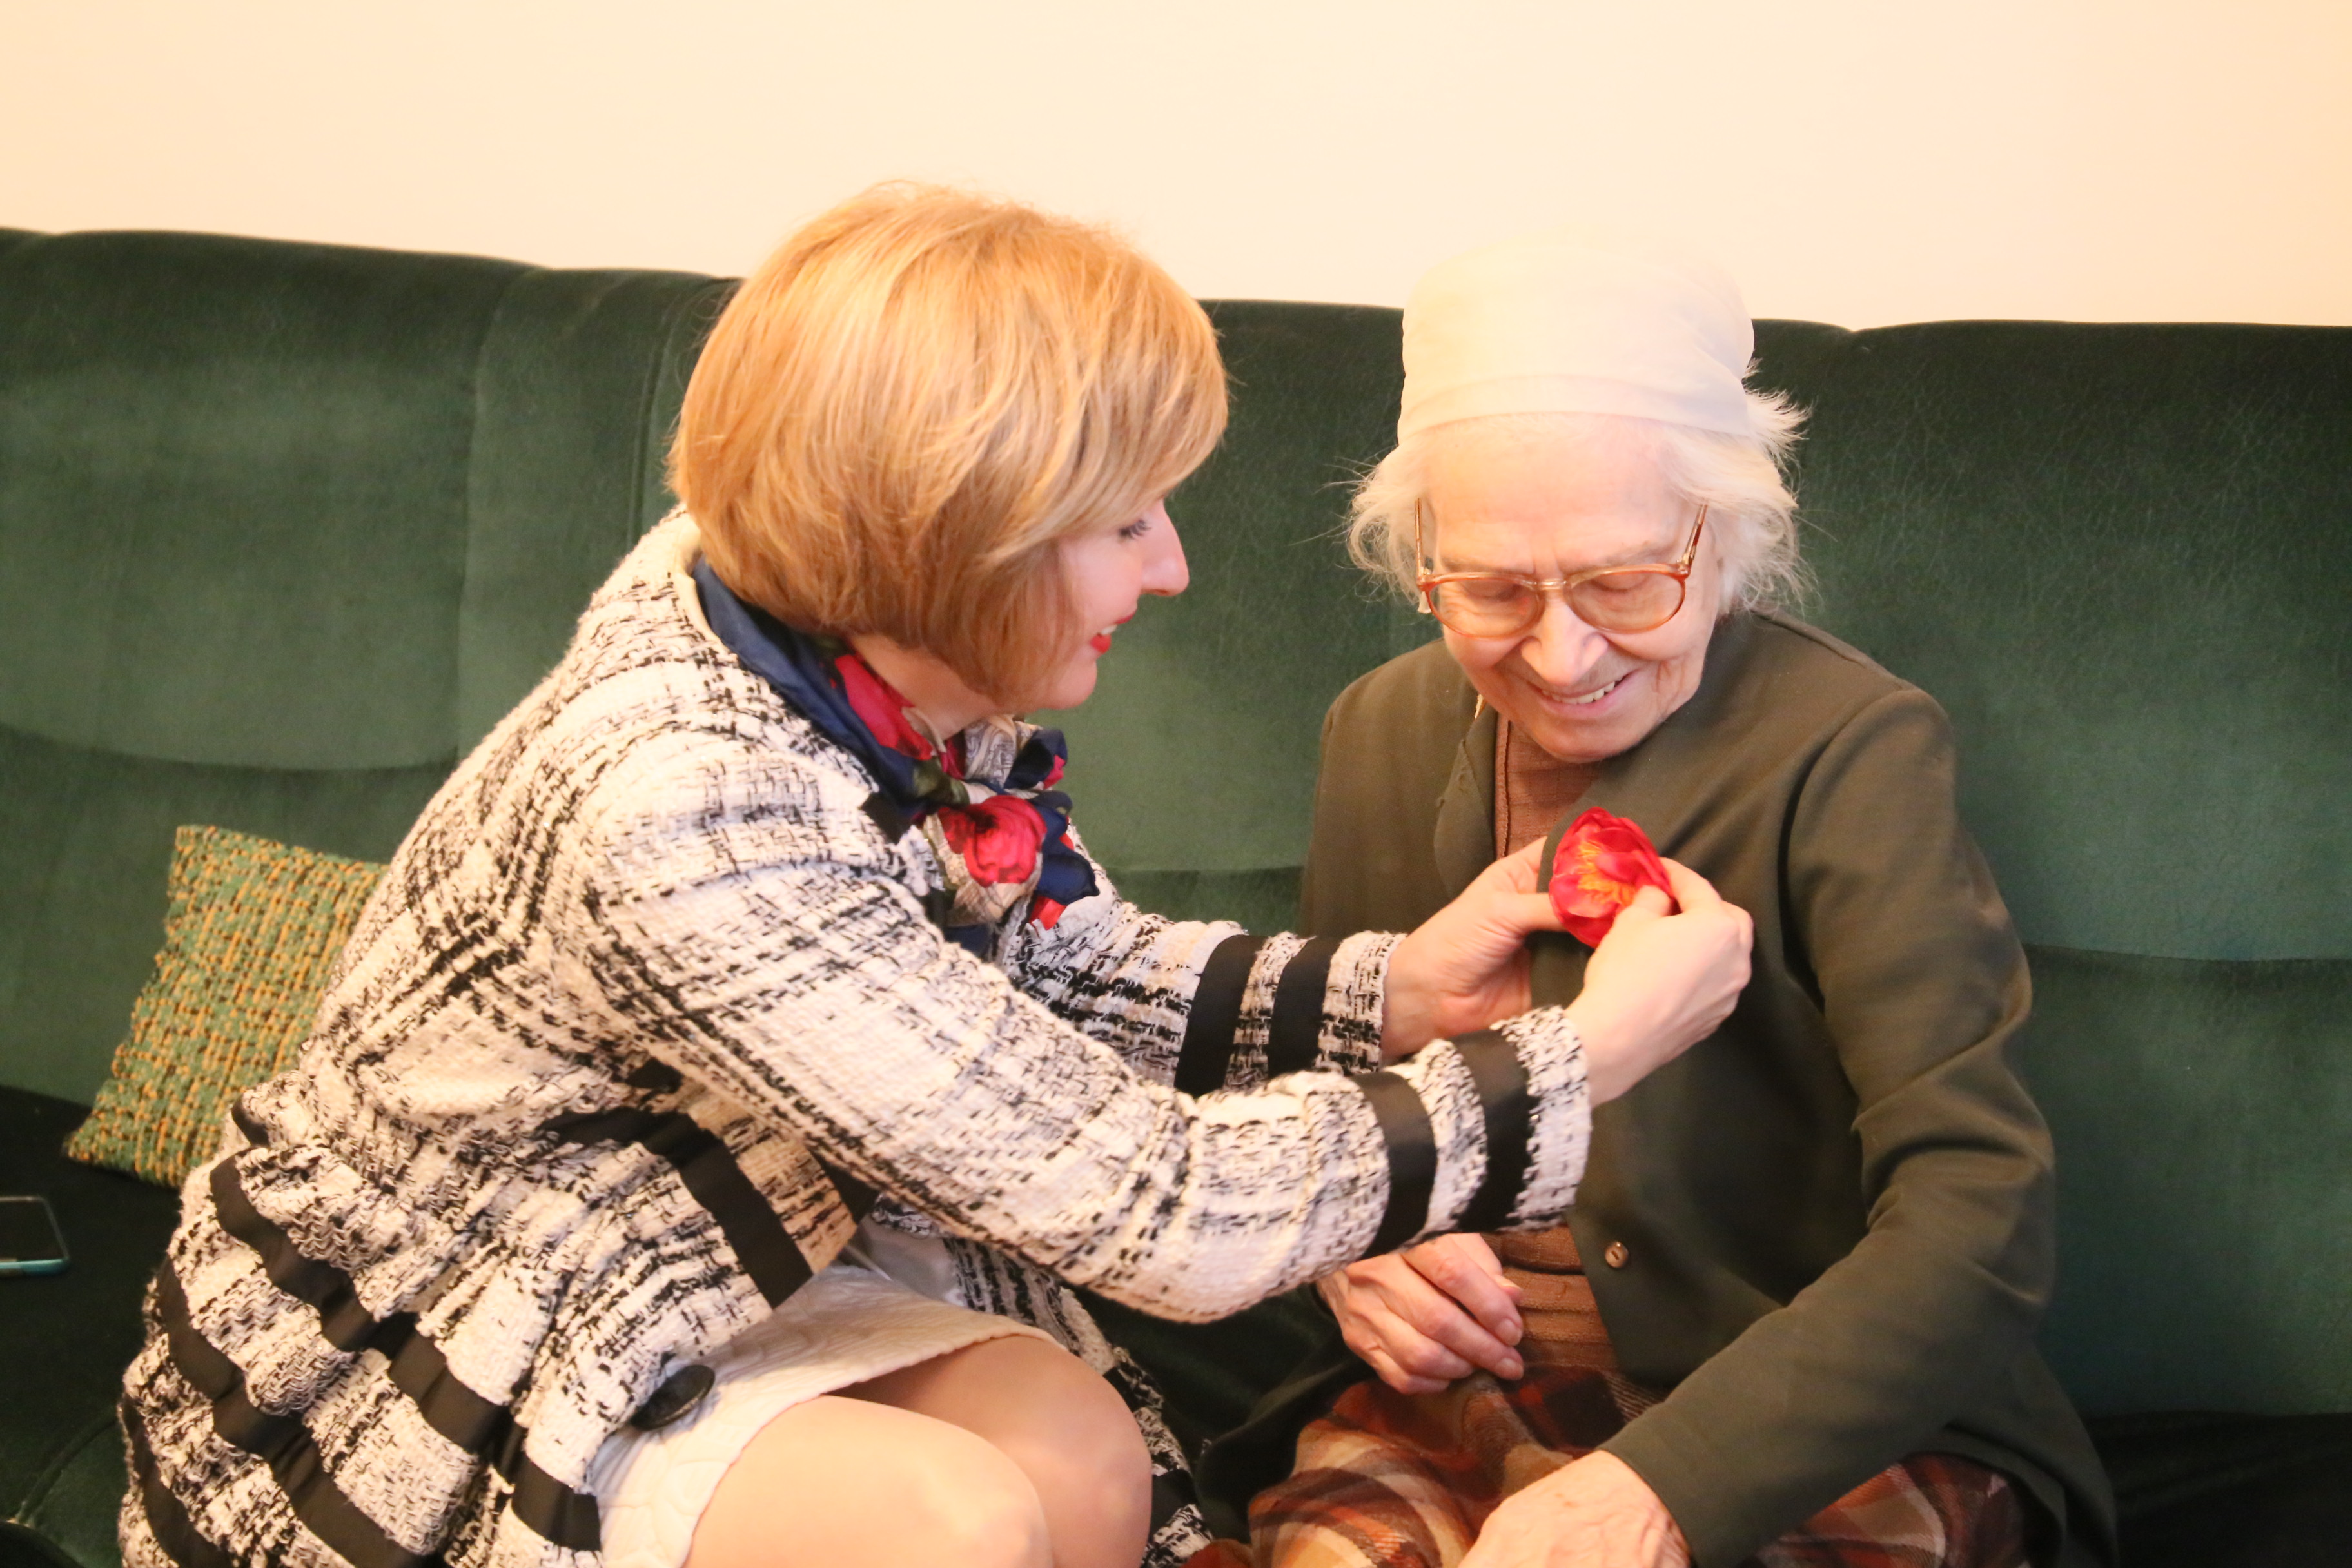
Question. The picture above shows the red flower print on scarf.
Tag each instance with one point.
(1602, 862)
(880, 708)
(998, 837)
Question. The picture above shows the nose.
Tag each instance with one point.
(1562, 649)
(1165, 571)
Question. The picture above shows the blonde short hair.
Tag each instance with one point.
(1740, 479)
(906, 409)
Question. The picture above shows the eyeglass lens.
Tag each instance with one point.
(1616, 602)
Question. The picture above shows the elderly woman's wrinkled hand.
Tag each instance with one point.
(1659, 982)
(1592, 1513)
(1466, 966)
(1430, 1314)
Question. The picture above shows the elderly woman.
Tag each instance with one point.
(1808, 1258)
(741, 1057)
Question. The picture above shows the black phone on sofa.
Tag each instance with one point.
(30, 1242)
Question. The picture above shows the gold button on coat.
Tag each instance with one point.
(1616, 1255)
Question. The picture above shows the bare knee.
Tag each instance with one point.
(1064, 1426)
(1090, 1439)
(1080, 1444)
(842, 1484)
(974, 1506)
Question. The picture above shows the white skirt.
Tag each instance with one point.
(846, 1325)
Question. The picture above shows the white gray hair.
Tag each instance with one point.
(1739, 479)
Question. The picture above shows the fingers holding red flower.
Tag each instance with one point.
(1466, 966)
(1660, 981)
(1603, 862)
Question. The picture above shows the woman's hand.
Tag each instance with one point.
(1466, 966)
(1659, 982)
(1592, 1513)
(1430, 1314)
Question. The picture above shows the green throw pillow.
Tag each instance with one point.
(252, 929)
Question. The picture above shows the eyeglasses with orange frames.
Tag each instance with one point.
(1505, 605)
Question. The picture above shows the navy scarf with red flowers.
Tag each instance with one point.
(997, 815)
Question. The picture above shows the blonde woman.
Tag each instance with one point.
(743, 1054)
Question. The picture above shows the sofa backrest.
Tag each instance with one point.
(2116, 554)
(284, 528)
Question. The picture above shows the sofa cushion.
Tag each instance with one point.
(2199, 1110)
(252, 929)
(70, 1335)
(85, 840)
(2208, 1490)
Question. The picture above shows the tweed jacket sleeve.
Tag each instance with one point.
(783, 959)
(1204, 1004)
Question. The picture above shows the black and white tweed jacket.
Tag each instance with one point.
(645, 1013)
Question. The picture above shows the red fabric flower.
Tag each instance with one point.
(998, 838)
(1602, 862)
(880, 708)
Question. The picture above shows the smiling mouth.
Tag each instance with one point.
(1588, 699)
(1100, 641)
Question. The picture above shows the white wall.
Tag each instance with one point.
(1856, 161)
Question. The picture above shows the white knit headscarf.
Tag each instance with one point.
(1577, 322)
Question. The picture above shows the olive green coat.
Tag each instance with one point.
(1835, 1213)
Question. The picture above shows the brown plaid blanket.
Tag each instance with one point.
(1394, 1481)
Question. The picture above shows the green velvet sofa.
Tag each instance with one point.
(284, 528)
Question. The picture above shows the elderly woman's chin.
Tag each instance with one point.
(1608, 706)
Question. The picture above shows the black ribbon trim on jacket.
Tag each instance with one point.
(884, 813)
(855, 1195)
(1502, 1080)
(760, 1243)
(1413, 1158)
(417, 1368)
(281, 1442)
(346, 1324)
(1294, 1039)
(567, 1517)
(1207, 1052)
(254, 1133)
(167, 1521)
(1171, 1493)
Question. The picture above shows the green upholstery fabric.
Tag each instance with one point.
(2200, 1110)
(2230, 1491)
(2117, 555)
(286, 528)
(581, 378)
(232, 497)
